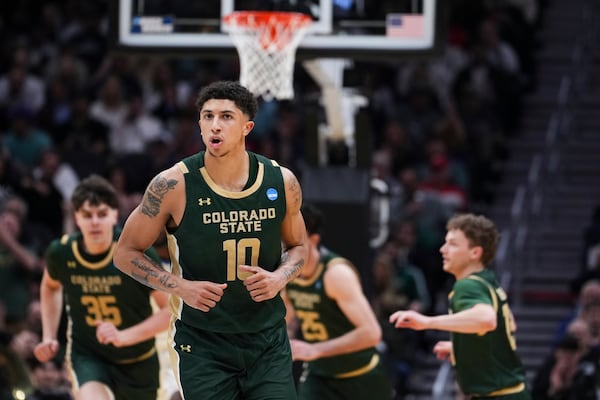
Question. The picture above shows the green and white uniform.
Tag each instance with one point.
(219, 231)
(486, 365)
(95, 290)
(356, 375)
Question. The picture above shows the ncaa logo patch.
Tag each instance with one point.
(272, 194)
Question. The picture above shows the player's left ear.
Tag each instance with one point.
(248, 127)
(476, 252)
(315, 239)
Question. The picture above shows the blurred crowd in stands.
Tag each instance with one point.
(69, 106)
(571, 369)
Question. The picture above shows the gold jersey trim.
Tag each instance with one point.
(182, 167)
(175, 302)
(304, 282)
(143, 357)
(234, 195)
(93, 265)
(490, 288)
(502, 392)
(362, 370)
(311, 279)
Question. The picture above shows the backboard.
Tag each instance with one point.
(357, 29)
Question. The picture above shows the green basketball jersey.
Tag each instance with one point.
(221, 230)
(485, 363)
(322, 319)
(94, 289)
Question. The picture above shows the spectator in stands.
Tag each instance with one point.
(402, 151)
(401, 248)
(25, 141)
(186, 134)
(48, 380)
(157, 88)
(484, 139)
(67, 69)
(126, 70)
(435, 75)
(56, 112)
(393, 292)
(439, 184)
(568, 373)
(591, 241)
(110, 107)
(287, 138)
(20, 263)
(429, 216)
(10, 175)
(554, 379)
(85, 138)
(588, 295)
(33, 319)
(39, 188)
(421, 114)
(436, 150)
(580, 329)
(23, 342)
(127, 197)
(505, 68)
(19, 87)
(590, 313)
(14, 373)
(85, 34)
(136, 130)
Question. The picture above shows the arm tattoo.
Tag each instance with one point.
(295, 190)
(292, 272)
(284, 257)
(154, 195)
(149, 269)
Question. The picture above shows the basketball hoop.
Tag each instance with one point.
(266, 42)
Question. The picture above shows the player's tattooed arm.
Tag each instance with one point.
(155, 193)
(293, 230)
(295, 191)
(290, 268)
(151, 274)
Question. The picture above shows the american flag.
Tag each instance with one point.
(405, 25)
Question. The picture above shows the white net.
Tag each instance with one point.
(266, 43)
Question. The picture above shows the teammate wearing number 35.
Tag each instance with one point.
(482, 346)
(226, 212)
(111, 351)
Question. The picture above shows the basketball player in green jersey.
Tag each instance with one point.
(111, 325)
(482, 347)
(339, 328)
(226, 212)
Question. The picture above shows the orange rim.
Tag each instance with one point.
(252, 19)
(272, 27)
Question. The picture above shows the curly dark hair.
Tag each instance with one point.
(480, 231)
(96, 190)
(229, 90)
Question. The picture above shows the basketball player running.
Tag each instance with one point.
(482, 347)
(111, 350)
(226, 212)
(338, 326)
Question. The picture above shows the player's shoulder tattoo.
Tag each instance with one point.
(293, 187)
(156, 191)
